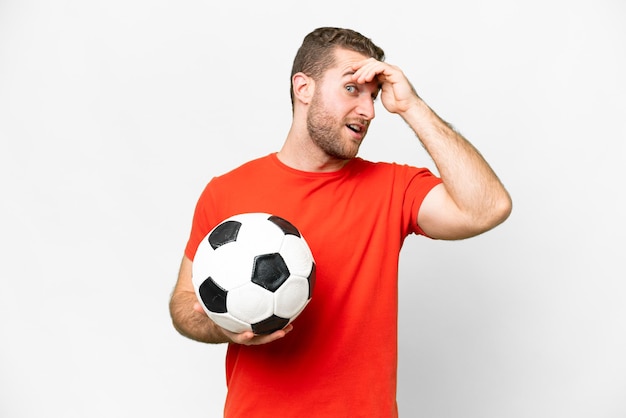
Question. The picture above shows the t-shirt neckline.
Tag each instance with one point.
(325, 174)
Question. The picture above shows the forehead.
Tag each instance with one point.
(345, 58)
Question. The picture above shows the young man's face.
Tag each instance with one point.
(341, 110)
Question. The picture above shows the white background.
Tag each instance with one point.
(114, 115)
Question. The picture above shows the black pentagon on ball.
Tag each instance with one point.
(287, 227)
(269, 325)
(270, 271)
(213, 296)
(224, 233)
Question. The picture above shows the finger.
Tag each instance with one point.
(239, 338)
(366, 70)
(249, 338)
(264, 339)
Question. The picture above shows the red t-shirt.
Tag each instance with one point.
(340, 360)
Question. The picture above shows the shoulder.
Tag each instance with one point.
(252, 165)
(244, 172)
(359, 165)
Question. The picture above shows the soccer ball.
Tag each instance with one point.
(253, 271)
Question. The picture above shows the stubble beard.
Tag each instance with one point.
(325, 132)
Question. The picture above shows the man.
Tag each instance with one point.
(339, 357)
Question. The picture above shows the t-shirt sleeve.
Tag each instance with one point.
(421, 182)
(201, 223)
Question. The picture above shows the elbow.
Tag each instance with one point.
(445, 219)
(499, 212)
(492, 215)
(504, 207)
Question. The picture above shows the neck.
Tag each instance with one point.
(300, 153)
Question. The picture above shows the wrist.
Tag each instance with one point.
(418, 113)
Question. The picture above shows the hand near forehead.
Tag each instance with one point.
(397, 94)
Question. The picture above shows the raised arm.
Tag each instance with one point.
(471, 199)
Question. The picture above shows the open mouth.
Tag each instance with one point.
(356, 127)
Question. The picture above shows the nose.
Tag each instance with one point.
(365, 107)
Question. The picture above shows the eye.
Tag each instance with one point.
(351, 88)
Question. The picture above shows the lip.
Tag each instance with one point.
(360, 131)
(355, 136)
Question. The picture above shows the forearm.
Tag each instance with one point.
(467, 177)
(191, 323)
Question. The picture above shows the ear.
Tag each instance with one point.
(303, 87)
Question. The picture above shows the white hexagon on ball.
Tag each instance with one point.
(250, 303)
(292, 297)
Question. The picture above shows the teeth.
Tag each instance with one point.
(354, 128)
